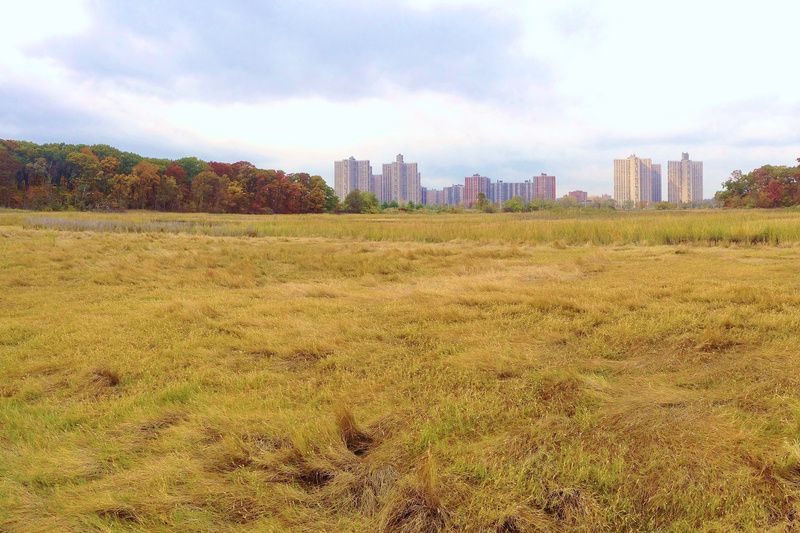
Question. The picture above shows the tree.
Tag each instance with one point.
(167, 193)
(192, 166)
(59, 175)
(767, 186)
(331, 200)
(361, 202)
(483, 203)
(86, 179)
(144, 184)
(120, 187)
(208, 192)
(352, 202)
(568, 201)
(9, 168)
(178, 173)
(369, 203)
(514, 205)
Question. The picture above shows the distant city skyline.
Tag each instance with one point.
(515, 93)
(635, 181)
(638, 181)
(401, 182)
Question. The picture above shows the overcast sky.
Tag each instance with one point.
(506, 88)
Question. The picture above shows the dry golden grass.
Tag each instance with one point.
(356, 378)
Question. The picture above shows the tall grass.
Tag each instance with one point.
(579, 227)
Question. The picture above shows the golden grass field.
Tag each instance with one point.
(575, 371)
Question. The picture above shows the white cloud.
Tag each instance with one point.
(568, 87)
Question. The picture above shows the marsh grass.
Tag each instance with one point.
(560, 228)
(404, 373)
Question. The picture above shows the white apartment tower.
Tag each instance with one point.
(633, 181)
(685, 181)
(403, 180)
(349, 175)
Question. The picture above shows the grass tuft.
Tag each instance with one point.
(355, 439)
(417, 506)
(105, 377)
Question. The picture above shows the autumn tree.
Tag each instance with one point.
(86, 179)
(209, 191)
(58, 175)
(144, 184)
(182, 182)
(9, 169)
(767, 186)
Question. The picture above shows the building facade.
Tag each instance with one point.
(544, 187)
(581, 197)
(473, 186)
(633, 181)
(454, 195)
(376, 186)
(685, 181)
(433, 196)
(351, 174)
(403, 181)
(655, 191)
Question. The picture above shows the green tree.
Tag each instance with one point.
(568, 201)
(331, 200)
(192, 166)
(361, 202)
(87, 180)
(514, 205)
(483, 203)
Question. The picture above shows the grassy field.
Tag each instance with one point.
(547, 371)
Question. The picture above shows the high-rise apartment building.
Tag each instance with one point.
(350, 174)
(500, 191)
(580, 196)
(685, 181)
(655, 190)
(454, 195)
(633, 181)
(544, 187)
(403, 180)
(433, 196)
(473, 186)
(522, 189)
(376, 186)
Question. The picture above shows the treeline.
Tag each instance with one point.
(768, 186)
(100, 177)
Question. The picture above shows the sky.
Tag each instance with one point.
(508, 89)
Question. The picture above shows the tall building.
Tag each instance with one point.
(349, 175)
(473, 186)
(655, 191)
(376, 186)
(633, 181)
(685, 181)
(501, 191)
(403, 180)
(580, 196)
(544, 187)
(433, 196)
(454, 195)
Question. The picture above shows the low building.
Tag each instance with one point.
(580, 196)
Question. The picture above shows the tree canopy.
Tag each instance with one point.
(768, 186)
(63, 176)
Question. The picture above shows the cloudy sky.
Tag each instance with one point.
(507, 88)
